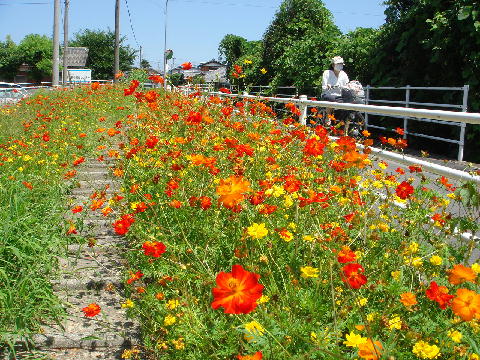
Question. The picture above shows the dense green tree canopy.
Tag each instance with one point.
(101, 52)
(34, 50)
(297, 41)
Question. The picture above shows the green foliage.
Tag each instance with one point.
(177, 79)
(297, 41)
(34, 50)
(144, 64)
(101, 52)
(234, 49)
(8, 59)
(138, 74)
(356, 48)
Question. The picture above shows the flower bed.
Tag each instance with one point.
(251, 238)
(254, 238)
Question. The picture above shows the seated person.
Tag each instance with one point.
(333, 81)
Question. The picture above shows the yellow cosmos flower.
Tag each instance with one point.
(172, 304)
(436, 260)
(309, 272)
(247, 62)
(128, 304)
(425, 351)
(455, 335)
(253, 329)
(257, 231)
(395, 323)
(476, 268)
(353, 340)
(263, 71)
(169, 320)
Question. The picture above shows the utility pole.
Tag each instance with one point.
(140, 61)
(165, 48)
(65, 43)
(116, 66)
(56, 42)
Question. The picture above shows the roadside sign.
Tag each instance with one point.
(76, 56)
(80, 75)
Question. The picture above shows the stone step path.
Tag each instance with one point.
(91, 274)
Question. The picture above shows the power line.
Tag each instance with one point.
(131, 25)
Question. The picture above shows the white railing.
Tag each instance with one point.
(408, 102)
(441, 115)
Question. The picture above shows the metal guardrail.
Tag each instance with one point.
(462, 117)
(408, 102)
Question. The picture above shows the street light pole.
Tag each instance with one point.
(165, 48)
(65, 43)
(56, 42)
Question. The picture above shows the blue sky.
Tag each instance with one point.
(195, 27)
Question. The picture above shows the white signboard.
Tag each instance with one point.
(80, 75)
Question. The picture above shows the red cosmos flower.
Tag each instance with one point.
(404, 190)
(194, 118)
(151, 141)
(46, 137)
(134, 277)
(439, 294)
(257, 356)
(157, 79)
(91, 310)
(415, 168)
(151, 96)
(313, 147)
(400, 170)
(153, 248)
(77, 209)
(176, 204)
(346, 255)
(225, 90)
(205, 202)
(237, 292)
(243, 150)
(257, 198)
(127, 92)
(79, 161)
(186, 65)
(399, 131)
(238, 69)
(121, 226)
(267, 209)
(352, 275)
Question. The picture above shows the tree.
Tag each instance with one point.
(357, 49)
(144, 64)
(232, 48)
(8, 59)
(101, 52)
(297, 41)
(34, 50)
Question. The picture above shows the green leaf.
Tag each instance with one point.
(464, 12)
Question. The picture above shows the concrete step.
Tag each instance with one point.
(89, 191)
(79, 354)
(109, 329)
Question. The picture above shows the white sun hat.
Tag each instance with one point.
(337, 60)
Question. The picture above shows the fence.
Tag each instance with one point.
(408, 102)
(438, 115)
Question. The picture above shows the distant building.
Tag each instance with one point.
(211, 65)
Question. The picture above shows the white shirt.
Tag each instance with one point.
(329, 78)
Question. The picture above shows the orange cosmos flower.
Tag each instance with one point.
(371, 350)
(91, 310)
(153, 248)
(257, 356)
(95, 86)
(313, 147)
(346, 255)
(119, 75)
(460, 274)
(237, 291)
(466, 304)
(187, 65)
(107, 210)
(408, 299)
(79, 161)
(157, 79)
(27, 185)
(232, 191)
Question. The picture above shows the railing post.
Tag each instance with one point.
(463, 126)
(303, 110)
(405, 119)
(367, 98)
